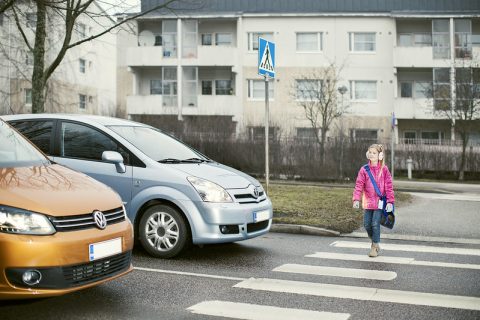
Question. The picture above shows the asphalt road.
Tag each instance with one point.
(152, 292)
(292, 276)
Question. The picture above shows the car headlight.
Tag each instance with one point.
(209, 191)
(18, 221)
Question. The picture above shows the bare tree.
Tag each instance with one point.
(69, 12)
(317, 93)
(5, 4)
(464, 113)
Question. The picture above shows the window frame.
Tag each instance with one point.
(251, 90)
(351, 42)
(82, 65)
(28, 96)
(319, 35)
(353, 95)
(251, 36)
(82, 102)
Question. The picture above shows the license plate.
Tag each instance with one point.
(105, 249)
(261, 215)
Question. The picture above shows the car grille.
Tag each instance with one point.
(86, 221)
(253, 227)
(244, 197)
(97, 270)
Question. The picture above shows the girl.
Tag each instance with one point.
(370, 201)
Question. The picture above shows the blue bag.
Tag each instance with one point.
(388, 218)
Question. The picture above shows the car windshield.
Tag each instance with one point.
(16, 151)
(158, 145)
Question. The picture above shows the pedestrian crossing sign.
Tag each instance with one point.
(266, 58)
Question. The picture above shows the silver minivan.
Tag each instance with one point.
(173, 193)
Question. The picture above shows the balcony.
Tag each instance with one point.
(207, 105)
(417, 57)
(149, 56)
(214, 56)
(407, 108)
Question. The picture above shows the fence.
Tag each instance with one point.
(300, 159)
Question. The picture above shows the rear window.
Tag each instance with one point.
(38, 132)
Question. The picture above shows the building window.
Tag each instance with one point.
(258, 133)
(169, 38)
(206, 39)
(441, 88)
(256, 90)
(463, 38)
(253, 39)
(155, 86)
(410, 137)
(406, 89)
(441, 38)
(82, 30)
(31, 20)
(309, 42)
(82, 64)
(158, 40)
(206, 87)
(223, 87)
(308, 90)
(82, 105)
(363, 90)
(432, 137)
(362, 41)
(308, 134)
(370, 135)
(169, 86)
(29, 58)
(28, 97)
(223, 39)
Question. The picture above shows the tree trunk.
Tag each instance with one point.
(461, 170)
(38, 76)
(322, 145)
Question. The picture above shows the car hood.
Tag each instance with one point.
(220, 174)
(54, 190)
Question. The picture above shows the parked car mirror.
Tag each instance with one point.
(116, 158)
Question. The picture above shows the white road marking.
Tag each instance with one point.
(415, 238)
(361, 293)
(201, 275)
(386, 259)
(410, 248)
(441, 196)
(337, 272)
(249, 311)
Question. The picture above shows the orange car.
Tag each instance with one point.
(60, 231)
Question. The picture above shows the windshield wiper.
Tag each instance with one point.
(196, 160)
(169, 160)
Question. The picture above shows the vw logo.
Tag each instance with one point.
(99, 219)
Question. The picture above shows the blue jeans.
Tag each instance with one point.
(371, 222)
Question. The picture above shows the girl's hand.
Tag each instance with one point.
(389, 207)
(356, 204)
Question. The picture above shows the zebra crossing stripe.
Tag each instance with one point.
(394, 260)
(409, 248)
(361, 293)
(248, 311)
(337, 272)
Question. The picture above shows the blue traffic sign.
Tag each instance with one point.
(266, 58)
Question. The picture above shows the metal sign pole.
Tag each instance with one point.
(267, 116)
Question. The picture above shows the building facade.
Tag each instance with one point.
(85, 80)
(196, 68)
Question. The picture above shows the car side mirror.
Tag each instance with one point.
(116, 158)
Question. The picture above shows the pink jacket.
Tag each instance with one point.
(365, 191)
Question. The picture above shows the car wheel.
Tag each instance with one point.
(163, 231)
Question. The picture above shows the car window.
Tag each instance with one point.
(156, 144)
(83, 142)
(16, 151)
(38, 132)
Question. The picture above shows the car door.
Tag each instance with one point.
(80, 147)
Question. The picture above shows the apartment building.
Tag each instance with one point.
(195, 69)
(85, 80)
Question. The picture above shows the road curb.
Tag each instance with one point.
(303, 229)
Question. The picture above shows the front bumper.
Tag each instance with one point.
(62, 259)
(206, 220)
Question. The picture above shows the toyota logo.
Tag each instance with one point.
(256, 192)
(99, 219)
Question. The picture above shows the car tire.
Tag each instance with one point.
(163, 232)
